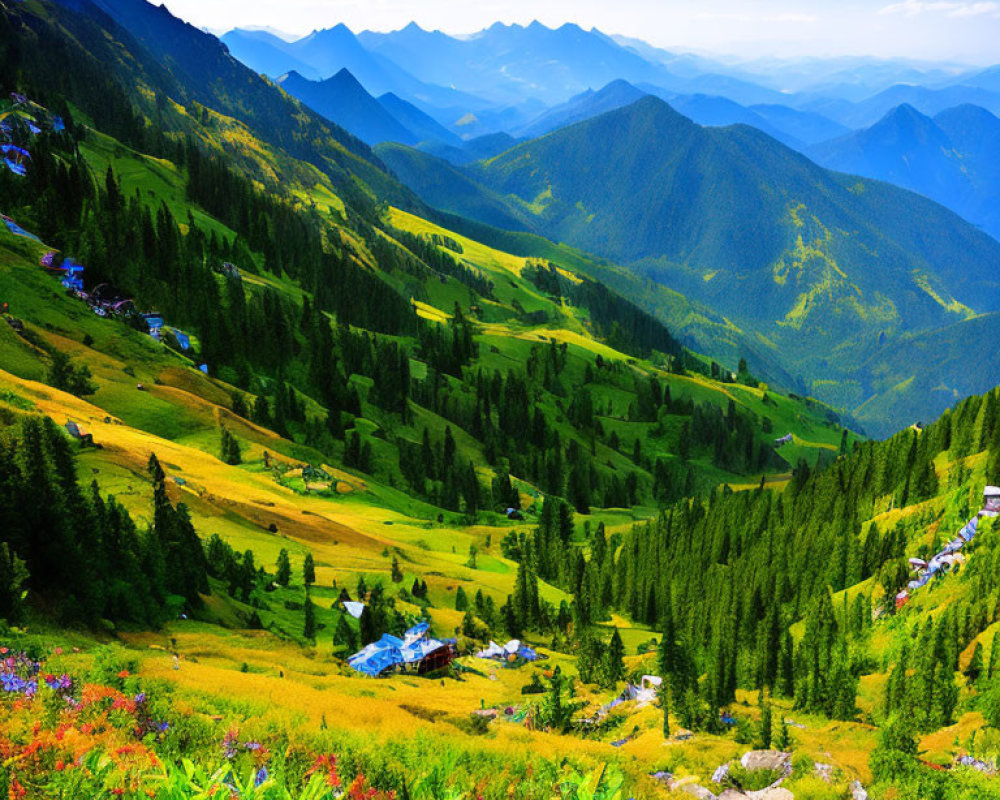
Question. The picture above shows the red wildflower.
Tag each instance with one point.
(123, 674)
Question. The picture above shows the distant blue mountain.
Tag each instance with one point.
(804, 126)
(616, 94)
(492, 144)
(264, 53)
(925, 100)
(423, 126)
(343, 100)
(511, 62)
(953, 158)
(324, 53)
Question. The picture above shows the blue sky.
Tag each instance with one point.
(962, 30)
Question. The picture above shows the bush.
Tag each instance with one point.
(112, 664)
(812, 787)
(751, 780)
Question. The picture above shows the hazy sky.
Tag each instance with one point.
(965, 30)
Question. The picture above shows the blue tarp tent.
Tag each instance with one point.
(17, 230)
(419, 650)
(377, 657)
(183, 340)
(417, 631)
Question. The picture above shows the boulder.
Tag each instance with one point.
(698, 791)
(771, 793)
(858, 791)
(732, 794)
(824, 771)
(767, 759)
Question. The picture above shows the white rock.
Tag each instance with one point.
(858, 791)
(697, 790)
(771, 793)
(766, 759)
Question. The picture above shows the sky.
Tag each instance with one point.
(966, 31)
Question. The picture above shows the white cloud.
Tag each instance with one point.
(912, 8)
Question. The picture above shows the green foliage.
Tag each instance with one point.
(283, 575)
(229, 448)
(64, 374)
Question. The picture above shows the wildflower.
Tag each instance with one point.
(123, 674)
(260, 777)
(140, 698)
(328, 764)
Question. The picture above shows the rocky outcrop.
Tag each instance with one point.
(771, 793)
(858, 791)
(767, 759)
(698, 791)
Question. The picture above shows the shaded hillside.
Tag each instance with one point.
(423, 126)
(447, 188)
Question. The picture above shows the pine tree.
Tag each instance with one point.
(308, 570)
(396, 573)
(366, 626)
(229, 448)
(283, 575)
(765, 723)
(614, 661)
(784, 740)
(309, 626)
(664, 694)
(975, 667)
(461, 601)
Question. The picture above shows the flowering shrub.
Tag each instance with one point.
(103, 735)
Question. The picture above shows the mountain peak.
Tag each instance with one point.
(905, 116)
(345, 78)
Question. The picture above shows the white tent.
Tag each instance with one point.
(492, 651)
(353, 608)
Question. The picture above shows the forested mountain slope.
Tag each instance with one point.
(752, 230)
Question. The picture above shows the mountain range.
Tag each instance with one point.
(818, 269)
(791, 219)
